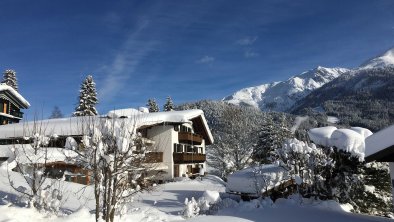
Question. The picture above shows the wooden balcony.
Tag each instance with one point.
(189, 158)
(154, 157)
(189, 138)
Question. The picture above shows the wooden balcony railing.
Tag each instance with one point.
(17, 114)
(154, 157)
(189, 138)
(189, 158)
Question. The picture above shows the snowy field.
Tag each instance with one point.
(167, 201)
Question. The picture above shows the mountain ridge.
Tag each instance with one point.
(280, 96)
(283, 95)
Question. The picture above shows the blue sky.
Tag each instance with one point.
(188, 49)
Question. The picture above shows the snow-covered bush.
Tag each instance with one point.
(49, 200)
(315, 170)
(331, 173)
(191, 208)
(206, 204)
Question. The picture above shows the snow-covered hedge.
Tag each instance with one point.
(350, 140)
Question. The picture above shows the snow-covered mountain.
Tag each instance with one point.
(280, 96)
(386, 59)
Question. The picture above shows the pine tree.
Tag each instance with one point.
(9, 78)
(152, 105)
(271, 136)
(169, 105)
(56, 113)
(267, 141)
(87, 98)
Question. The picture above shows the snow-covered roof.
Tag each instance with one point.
(147, 119)
(380, 146)
(26, 154)
(4, 87)
(123, 112)
(255, 180)
(76, 126)
(350, 140)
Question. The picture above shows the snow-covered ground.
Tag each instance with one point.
(167, 201)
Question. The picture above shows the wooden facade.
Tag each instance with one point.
(10, 108)
(71, 172)
(154, 157)
(189, 138)
(189, 158)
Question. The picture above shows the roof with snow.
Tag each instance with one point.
(27, 155)
(13, 96)
(380, 146)
(131, 117)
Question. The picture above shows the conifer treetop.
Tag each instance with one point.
(169, 105)
(153, 106)
(9, 78)
(87, 98)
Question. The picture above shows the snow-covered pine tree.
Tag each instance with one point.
(9, 78)
(87, 98)
(169, 105)
(152, 106)
(56, 113)
(271, 136)
(267, 142)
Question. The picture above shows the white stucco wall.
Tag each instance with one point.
(164, 137)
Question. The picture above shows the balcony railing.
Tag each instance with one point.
(154, 157)
(189, 138)
(17, 114)
(189, 158)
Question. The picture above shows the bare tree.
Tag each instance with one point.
(30, 159)
(234, 141)
(118, 157)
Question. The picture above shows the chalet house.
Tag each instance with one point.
(179, 139)
(379, 147)
(11, 103)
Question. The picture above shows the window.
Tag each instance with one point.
(189, 149)
(185, 129)
(178, 148)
